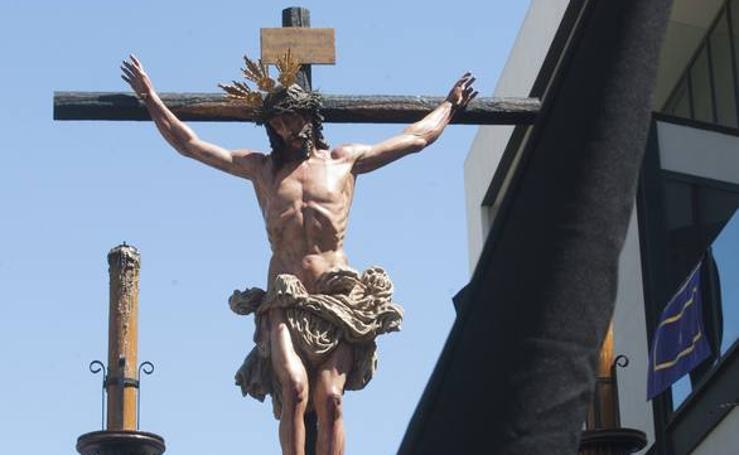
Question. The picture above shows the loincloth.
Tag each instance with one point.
(346, 308)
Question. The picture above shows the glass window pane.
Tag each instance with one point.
(680, 391)
(733, 6)
(715, 208)
(679, 103)
(723, 73)
(701, 88)
(726, 253)
(678, 204)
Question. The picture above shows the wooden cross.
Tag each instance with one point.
(309, 46)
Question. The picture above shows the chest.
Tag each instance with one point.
(311, 181)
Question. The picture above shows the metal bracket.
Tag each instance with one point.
(121, 381)
(96, 366)
(148, 368)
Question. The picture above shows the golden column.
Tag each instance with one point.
(603, 434)
(124, 263)
(121, 380)
(604, 412)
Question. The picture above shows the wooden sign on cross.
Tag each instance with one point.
(307, 45)
(311, 46)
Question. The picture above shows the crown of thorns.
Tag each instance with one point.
(272, 97)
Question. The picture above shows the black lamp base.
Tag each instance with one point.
(120, 443)
(612, 441)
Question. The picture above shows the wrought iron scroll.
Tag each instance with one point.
(621, 361)
(96, 367)
(148, 368)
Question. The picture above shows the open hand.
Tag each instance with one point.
(462, 92)
(136, 77)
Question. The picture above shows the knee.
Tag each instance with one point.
(331, 405)
(295, 393)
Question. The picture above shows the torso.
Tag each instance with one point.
(306, 208)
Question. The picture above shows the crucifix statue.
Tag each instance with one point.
(318, 318)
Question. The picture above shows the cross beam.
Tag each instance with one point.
(214, 107)
(308, 46)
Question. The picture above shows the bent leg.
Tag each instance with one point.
(293, 380)
(328, 389)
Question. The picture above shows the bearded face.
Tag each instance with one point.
(295, 131)
(292, 137)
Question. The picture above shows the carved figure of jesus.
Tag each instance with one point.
(317, 319)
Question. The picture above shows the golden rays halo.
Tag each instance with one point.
(258, 73)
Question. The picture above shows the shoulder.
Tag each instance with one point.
(253, 157)
(349, 152)
(251, 153)
(249, 162)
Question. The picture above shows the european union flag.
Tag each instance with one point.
(679, 343)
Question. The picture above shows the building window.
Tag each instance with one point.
(701, 221)
(707, 91)
(683, 218)
(723, 72)
(679, 104)
(700, 87)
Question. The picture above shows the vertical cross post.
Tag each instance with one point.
(299, 17)
(122, 384)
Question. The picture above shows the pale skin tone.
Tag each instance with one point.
(305, 206)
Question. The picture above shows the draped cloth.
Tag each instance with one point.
(346, 307)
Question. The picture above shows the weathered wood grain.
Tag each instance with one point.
(307, 45)
(212, 107)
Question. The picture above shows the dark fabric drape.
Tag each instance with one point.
(517, 372)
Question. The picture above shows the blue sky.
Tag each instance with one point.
(70, 191)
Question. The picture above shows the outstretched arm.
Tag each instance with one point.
(416, 136)
(242, 163)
